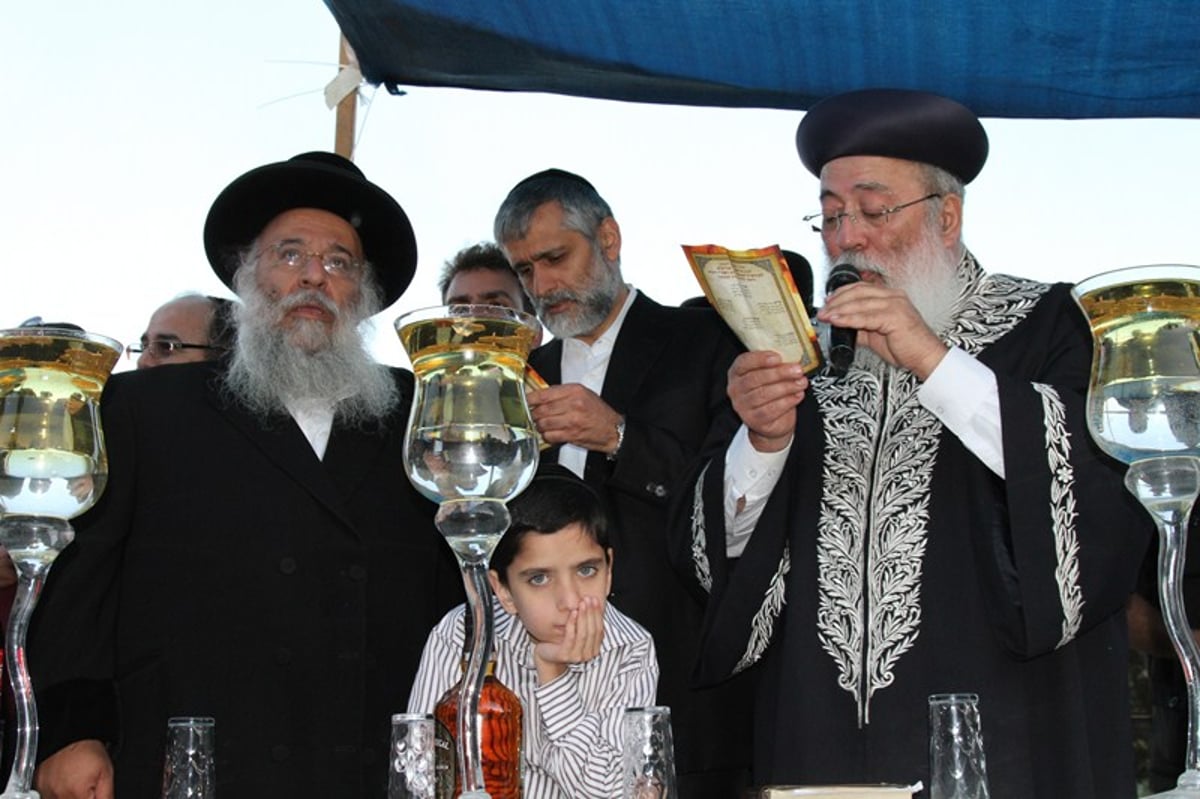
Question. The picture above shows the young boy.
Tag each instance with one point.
(574, 661)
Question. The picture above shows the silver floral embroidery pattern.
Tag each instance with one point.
(991, 305)
(872, 579)
(840, 550)
(872, 532)
(1062, 510)
(762, 626)
(900, 507)
(699, 555)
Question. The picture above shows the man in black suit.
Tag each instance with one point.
(635, 388)
(258, 555)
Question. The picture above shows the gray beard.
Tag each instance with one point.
(304, 364)
(593, 303)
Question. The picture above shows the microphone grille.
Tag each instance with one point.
(842, 275)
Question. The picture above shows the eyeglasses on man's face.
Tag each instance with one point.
(870, 217)
(293, 257)
(165, 348)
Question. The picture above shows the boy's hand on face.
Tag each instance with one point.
(580, 642)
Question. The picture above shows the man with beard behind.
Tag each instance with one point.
(635, 387)
(938, 519)
(258, 555)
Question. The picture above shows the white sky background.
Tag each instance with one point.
(123, 120)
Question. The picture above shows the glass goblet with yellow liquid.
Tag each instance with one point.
(53, 467)
(1145, 400)
(470, 439)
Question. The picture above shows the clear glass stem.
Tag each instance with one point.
(470, 751)
(1168, 487)
(32, 543)
(472, 528)
(1172, 545)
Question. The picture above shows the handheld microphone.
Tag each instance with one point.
(841, 339)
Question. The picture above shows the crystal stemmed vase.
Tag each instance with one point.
(52, 468)
(1143, 408)
(470, 446)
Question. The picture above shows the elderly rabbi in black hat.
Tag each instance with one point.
(258, 555)
(937, 519)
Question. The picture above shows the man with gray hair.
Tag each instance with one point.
(258, 555)
(635, 388)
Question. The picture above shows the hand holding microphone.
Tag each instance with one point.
(841, 339)
(896, 331)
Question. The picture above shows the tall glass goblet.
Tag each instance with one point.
(470, 446)
(52, 468)
(1143, 408)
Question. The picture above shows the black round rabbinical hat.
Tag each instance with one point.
(320, 180)
(894, 123)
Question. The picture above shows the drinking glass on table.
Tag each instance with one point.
(648, 759)
(188, 771)
(413, 768)
(957, 767)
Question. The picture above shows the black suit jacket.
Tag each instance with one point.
(667, 375)
(226, 571)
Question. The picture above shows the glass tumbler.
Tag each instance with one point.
(648, 760)
(188, 766)
(412, 760)
(957, 768)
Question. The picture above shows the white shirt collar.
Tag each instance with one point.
(600, 349)
(315, 419)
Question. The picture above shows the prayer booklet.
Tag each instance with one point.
(754, 293)
(840, 791)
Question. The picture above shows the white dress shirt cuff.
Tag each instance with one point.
(750, 476)
(963, 395)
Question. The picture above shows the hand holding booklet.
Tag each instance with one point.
(754, 293)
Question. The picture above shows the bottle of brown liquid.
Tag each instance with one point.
(499, 728)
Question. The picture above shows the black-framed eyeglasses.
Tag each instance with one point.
(165, 348)
(871, 217)
(293, 257)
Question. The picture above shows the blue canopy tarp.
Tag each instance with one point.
(1017, 58)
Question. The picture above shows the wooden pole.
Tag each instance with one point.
(343, 143)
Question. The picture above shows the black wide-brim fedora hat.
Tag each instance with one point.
(321, 180)
(894, 123)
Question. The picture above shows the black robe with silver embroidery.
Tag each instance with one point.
(890, 564)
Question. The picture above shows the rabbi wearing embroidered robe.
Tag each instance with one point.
(936, 520)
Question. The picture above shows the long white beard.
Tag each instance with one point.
(305, 362)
